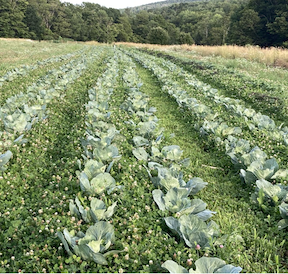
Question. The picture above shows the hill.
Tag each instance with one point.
(161, 4)
(201, 22)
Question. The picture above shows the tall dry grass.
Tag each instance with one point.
(269, 56)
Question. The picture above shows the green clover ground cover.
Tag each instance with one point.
(41, 179)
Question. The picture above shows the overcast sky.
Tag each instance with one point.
(116, 4)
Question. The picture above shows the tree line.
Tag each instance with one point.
(207, 22)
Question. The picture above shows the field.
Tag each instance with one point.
(126, 158)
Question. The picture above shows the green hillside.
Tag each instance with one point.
(210, 22)
(161, 4)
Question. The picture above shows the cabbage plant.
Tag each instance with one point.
(259, 169)
(168, 178)
(96, 212)
(284, 213)
(140, 141)
(140, 153)
(16, 121)
(176, 201)
(4, 159)
(263, 122)
(193, 230)
(236, 146)
(203, 265)
(92, 245)
(106, 153)
(172, 152)
(100, 183)
(147, 129)
(219, 129)
(274, 192)
(92, 168)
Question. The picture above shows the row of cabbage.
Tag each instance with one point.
(99, 155)
(22, 111)
(25, 69)
(172, 192)
(253, 119)
(253, 163)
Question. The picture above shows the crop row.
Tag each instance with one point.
(264, 94)
(20, 112)
(164, 162)
(253, 164)
(99, 156)
(255, 121)
(25, 69)
(39, 180)
(236, 111)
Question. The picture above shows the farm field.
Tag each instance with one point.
(124, 159)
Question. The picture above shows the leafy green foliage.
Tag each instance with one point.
(4, 159)
(284, 214)
(176, 201)
(91, 245)
(96, 212)
(203, 265)
(193, 230)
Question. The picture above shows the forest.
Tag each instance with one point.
(211, 22)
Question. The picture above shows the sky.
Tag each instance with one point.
(116, 4)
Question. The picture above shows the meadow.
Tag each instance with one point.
(127, 158)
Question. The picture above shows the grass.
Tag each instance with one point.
(268, 56)
(17, 52)
(277, 57)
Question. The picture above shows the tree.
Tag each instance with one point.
(73, 16)
(185, 38)
(34, 23)
(140, 26)
(125, 32)
(273, 21)
(174, 34)
(158, 36)
(61, 26)
(12, 14)
(245, 27)
(97, 24)
(279, 28)
(47, 11)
